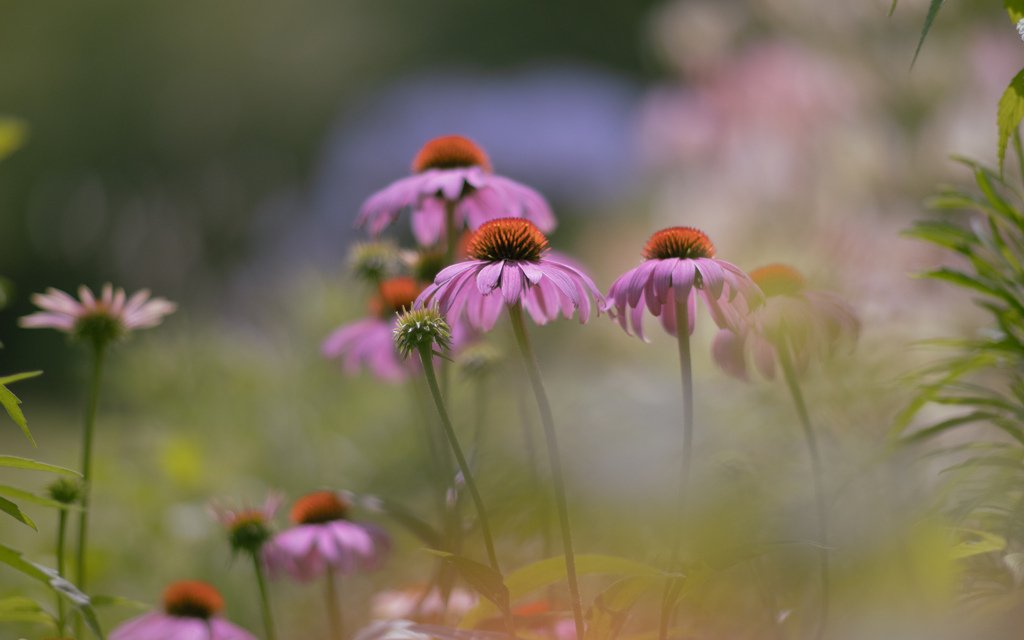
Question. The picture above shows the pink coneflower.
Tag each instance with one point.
(190, 612)
(325, 539)
(509, 264)
(247, 527)
(110, 317)
(452, 184)
(811, 322)
(680, 263)
(414, 602)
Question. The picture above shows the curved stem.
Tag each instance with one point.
(268, 618)
(533, 371)
(62, 526)
(90, 424)
(786, 360)
(333, 612)
(686, 376)
(426, 356)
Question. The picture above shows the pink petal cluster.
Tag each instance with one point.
(230, 514)
(63, 312)
(308, 551)
(414, 603)
(162, 626)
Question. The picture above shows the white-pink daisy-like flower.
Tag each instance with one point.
(414, 602)
(510, 264)
(190, 612)
(248, 528)
(109, 317)
(453, 171)
(324, 539)
(679, 264)
(810, 323)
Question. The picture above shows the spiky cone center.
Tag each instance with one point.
(421, 328)
(450, 152)
(100, 327)
(373, 261)
(320, 507)
(679, 242)
(778, 280)
(507, 239)
(192, 599)
(248, 530)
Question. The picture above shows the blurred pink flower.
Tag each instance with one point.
(414, 603)
(680, 263)
(248, 527)
(510, 257)
(190, 612)
(811, 322)
(453, 169)
(324, 539)
(109, 317)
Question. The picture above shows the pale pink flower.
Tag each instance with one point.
(109, 317)
(510, 264)
(680, 264)
(190, 613)
(811, 323)
(325, 540)
(453, 170)
(248, 527)
(413, 602)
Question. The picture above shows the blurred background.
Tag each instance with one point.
(217, 153)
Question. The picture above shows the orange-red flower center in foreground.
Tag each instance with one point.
(778, 280)
(507, 239)
(678, 242)
(319, 507)
(450, 152)
(192, 599)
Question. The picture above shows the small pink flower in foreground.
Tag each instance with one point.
(414, 603)
(509, 263)
(248, 528)
(190, 612)
(324, 539)
(811, 322)
(110, 317)
(680, 263)
(453, 169)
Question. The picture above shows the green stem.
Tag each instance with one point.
(786, 360)
(268, 618)
(61, 536)
(333, 611)
(90, 424)
(426, 356)
(533, 371)
(686, 375)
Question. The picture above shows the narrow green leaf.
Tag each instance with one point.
(993, 196)
(34, 499)
(20, 609)
(1015, 8)
(484, 579)
(13, 558)
(943, 234)
(12, 510)
(961, 279)
(81, 602)
(983, 542)
(11, 401)
(892, 8)
(13, 132)
(933, 10)
(1011, 110)
(611, 607)
(25, 463)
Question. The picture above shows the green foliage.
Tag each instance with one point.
(28, 496)
(611, 607)
(19, 609)
(11, 401)
(1011, 110)
(1015, 8)
(25, 463)
(484, 579)
(12, 510)
(933, 10)
(13, 132)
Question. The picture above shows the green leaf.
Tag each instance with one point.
(25, 463)
(943, 234)
(612, 606)
(34, 499)
(892, 8)
(1011, 110)
(11, 401)
(1015, 8)
(12, 510)
(984, 543)
(539, 574)
(13, 558)
(51, 578)
(933, 10)
(13, 132)
(961, 279)
(19, 609)
(484, 579)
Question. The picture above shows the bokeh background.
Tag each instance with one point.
(217, 153)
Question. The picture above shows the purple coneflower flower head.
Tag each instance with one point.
(324, 539)
(680, 264)
(108, 318)
(509, 264)
(248, 527)
(453, 170)
(190, 612)
(810, 323)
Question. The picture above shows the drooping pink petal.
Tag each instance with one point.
(639, 281)
(428, 221)
(682, 278)
(727, 350)
(764, 357)
(512, 283)
(489, 276)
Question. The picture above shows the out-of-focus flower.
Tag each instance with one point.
(812, 323)
(479, 359)
(102, 320)
(680, 263)
(65, 491)
(374, 262)
(453, 171)
(413, 602)
(392, 630)
(509, 257)
(248, 527)
(324, 539)
(190, 612)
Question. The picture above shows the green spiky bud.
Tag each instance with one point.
(374, 261)
(421, 328)
(65, 491)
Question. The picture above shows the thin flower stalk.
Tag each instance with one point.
(515, 313)
(62, 527)
(333, 608)
(268, 616)
(99, 351)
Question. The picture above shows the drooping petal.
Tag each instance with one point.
(662, 279)
(489, 276)
(728, 351)
(682, 278)
(428, 221)
(712, 276)
(639, 281)
(512, 283)
(764, 357)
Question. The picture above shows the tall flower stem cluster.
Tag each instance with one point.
(99, 351)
